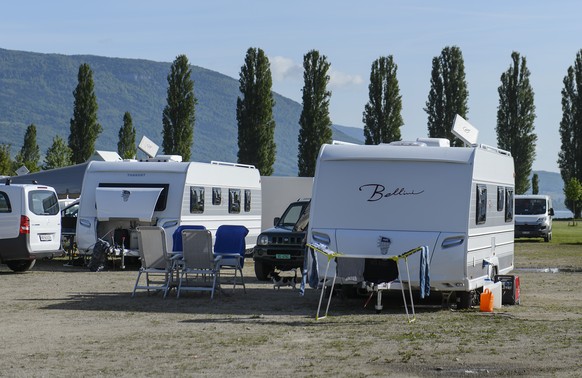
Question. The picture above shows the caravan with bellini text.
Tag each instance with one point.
(456, 201)
(118, 197)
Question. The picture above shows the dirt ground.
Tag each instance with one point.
(67, 321)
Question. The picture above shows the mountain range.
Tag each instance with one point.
(38, 89)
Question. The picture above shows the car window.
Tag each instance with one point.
(71, 210)
(43, 202)
(5, 203)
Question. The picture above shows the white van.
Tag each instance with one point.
(371, 203)
(30, 224)
(533, 216)
(118, 197)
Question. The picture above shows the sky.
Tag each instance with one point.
(216, 35)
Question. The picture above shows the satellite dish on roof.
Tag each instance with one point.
(22, 171)
(465, 131)
(148, 147)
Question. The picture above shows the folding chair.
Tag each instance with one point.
(229, 244)
(155, 260)
(198, 260)
(177, 236)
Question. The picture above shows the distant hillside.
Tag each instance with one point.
(38, 88)
(551, 184)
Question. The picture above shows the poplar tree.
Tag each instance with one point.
(179, 114)
(570, 155)
(515, 120)
(314, 122)
(573, 193)
(58, 154)
(29, 154)
(535, 184)
(84, 126)
(6, 165)
(448, 94)
(126, 145)
(382, 114)
(254, 113)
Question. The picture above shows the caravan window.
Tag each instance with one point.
(216, 196)
(234, 201)
(5, 203)
(160, 205)
(196, 199)
(500, 198)
(508, 204)
(247, 200)
(481, 203)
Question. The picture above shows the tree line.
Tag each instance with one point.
(382, 119)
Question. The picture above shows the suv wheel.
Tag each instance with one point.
(20, 265)
(262, 270)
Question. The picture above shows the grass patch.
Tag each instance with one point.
(564, 251)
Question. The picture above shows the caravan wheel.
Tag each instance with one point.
(464, 299)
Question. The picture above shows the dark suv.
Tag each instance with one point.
(283, 246)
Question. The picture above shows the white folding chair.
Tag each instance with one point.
(155, 260)
(198, 261)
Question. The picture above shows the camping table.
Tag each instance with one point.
(332, 254)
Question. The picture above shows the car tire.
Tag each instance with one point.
(548, 237)
(20, 265)
(262, 270)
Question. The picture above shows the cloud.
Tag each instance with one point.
(284, 68)
(339, 79)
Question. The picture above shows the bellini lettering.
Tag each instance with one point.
(378, 191)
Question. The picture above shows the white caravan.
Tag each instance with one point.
(118, 197)
(371, 203)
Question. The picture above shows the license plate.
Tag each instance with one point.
(526, 232)
(283, 256)
(46, 237)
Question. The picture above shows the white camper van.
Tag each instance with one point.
(30, 224)
(118, 197)
(371, 203)
(533, 216)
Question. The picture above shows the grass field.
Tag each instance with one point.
(563, 252)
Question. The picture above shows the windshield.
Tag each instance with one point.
(291, 216)
(530, 206)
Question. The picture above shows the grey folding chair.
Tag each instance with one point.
(155, 260)
(199, 265)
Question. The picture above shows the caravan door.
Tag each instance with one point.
(126, 203)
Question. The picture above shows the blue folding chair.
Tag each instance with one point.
(230, 244)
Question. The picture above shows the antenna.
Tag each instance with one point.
(465, 131)
(148, 147)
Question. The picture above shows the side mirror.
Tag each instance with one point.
(551, 212)
(276, 221)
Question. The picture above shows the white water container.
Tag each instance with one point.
(495, 288)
